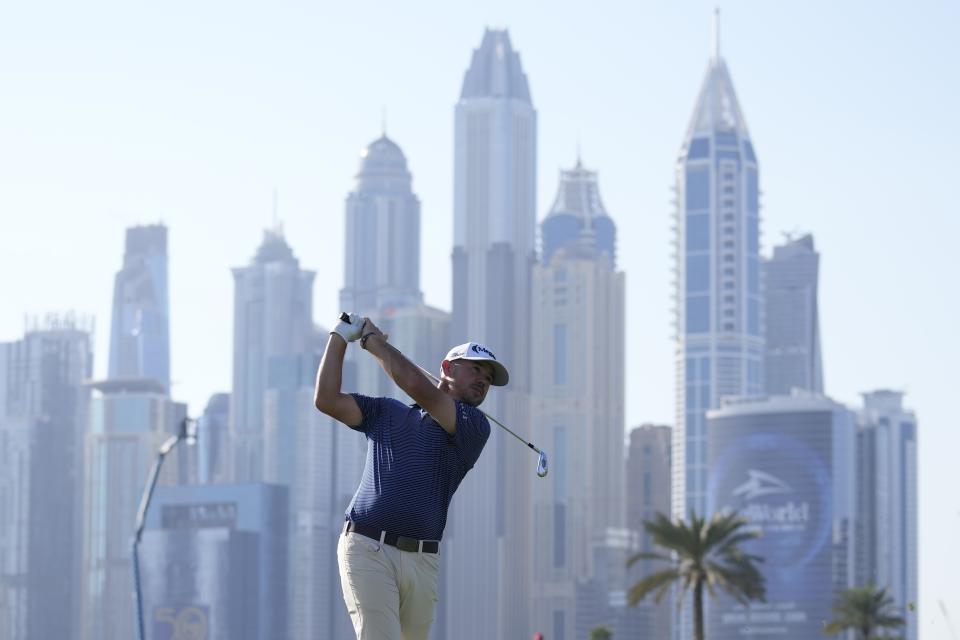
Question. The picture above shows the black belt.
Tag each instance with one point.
(400, 542)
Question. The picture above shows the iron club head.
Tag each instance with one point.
(542, 464)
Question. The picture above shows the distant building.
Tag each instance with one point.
(887, 491)
(787, 464)
(382, 257)
(41, 513)
(273, 304)
(140, 332)
(382, 212)
(578, 408)
(129, 420)
(488, 542)
(793, 358)
(648, 493)
(719, 328)
(214, 562)
(321, 461)
(213, 440)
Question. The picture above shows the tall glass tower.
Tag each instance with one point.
(272, 315)
(792, 318)
(578, 405)
(140, 333)
(488, 539)
(719, 332)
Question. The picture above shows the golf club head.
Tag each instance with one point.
(542, 465)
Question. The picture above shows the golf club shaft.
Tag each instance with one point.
(345, 317)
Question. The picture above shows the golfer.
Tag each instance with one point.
(417, 455)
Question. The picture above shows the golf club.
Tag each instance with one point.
(541, 460)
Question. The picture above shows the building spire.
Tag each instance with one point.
(715, 53)
(383, 121)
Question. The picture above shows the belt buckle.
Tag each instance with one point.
(407, 544)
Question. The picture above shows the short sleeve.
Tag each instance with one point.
(472, 432)
(370, 408)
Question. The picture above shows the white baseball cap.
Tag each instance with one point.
(476, 351)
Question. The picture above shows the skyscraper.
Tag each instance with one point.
(272, 315)
(887, 490)
(131, 414)
(786, 464)
(648, 493)
(46, 414)
(792, 318)
(486, 590)
(129, 420)
(382, 257)
(719, 333)
(140, 333)
(214, 562)
(382, 267)
(320, 461)
(578, 304)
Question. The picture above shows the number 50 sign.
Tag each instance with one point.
(183, 623)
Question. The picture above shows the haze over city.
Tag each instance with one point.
(221, 121)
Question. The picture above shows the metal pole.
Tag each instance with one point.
(165, 448)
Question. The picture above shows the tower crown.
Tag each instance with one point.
(495, 70)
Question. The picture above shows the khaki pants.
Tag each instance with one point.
(390, 594)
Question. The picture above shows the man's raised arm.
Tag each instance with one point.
(408, 377)
(327, 396)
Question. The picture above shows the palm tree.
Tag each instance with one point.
(702, 554)
(602, 632)
(865, 609)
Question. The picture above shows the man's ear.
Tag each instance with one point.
(445, 368)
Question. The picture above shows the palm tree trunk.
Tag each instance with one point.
(698, 610)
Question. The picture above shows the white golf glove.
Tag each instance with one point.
(349, 331)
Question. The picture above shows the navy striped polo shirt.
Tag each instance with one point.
(413, 466)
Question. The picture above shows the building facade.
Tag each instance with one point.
(887, 489)
(792, 318)
(719, 330)
(140, 331)
(486, 586)
(647, 494)
(787, 465)
(214, 562)
(46, 404)
(129, 420)
(273, 304)
(578, 403)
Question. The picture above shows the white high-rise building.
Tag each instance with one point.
(382, 268)
(578, 403)
(129, 420)
(272, 316)
(887, 491)
(486, 586)
(719, 328)
(792, 318)
(45, 411)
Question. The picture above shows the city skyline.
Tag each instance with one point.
(864, 285)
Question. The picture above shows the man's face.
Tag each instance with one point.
(468, 380)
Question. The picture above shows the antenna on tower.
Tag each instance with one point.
(383, 121)
(716, 34)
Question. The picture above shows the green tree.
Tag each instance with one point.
(701, 554)
(602, 632)
(864, 609)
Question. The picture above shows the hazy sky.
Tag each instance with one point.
(117, 113)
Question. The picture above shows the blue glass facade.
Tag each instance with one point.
(789, 472)
(719, 320)
(140, 331)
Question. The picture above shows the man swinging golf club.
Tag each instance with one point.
(416, 458)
